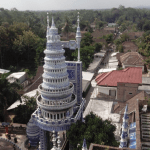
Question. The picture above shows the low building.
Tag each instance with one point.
(132, 59)
(98, 58)
(115, 82)
(2, 71)
(30, 94)
(17, 77)
(129, 46)
(112, 25)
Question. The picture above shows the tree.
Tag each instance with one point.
(86, 54)
(94, 130)
(8, 95)
(87, 39)
(25, 110)
(98, 47)
(124, 37)
(120, 48)
(108, 38)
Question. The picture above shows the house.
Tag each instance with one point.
(98, 34)
(129, 46)
(112, 29)
(133, 35)
(17, 77)
(98, 58)
(114, 83)
(2, 71)
(112, 25)
(132, 59)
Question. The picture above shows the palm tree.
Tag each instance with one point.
(8, 95)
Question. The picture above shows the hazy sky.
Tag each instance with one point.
(70, 4)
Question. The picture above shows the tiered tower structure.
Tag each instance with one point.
(57, 99)
(57, 102)
(124, 134)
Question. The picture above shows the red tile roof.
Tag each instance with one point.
(128, 75)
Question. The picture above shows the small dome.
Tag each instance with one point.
(33, 133)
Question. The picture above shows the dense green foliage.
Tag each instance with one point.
(23, 112)
(8, 95)
(86, 50)
(22, 33)
(94, 130)
(144, 46)
(20, 47)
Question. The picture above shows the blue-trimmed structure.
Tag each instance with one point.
(60, 101)
(124, 134)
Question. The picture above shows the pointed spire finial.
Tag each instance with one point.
(84, 146)
(53, 24)
(78, 37)
(78, 19)
(47, 20)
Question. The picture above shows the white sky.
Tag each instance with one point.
(69, 4)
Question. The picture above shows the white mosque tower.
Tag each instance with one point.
(57, 100)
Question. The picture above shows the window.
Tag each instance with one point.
(112, 92)
(130, 93)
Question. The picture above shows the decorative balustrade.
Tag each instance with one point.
(55, 71)
(62, 66)
(56, 105)
(56, 75)
(58, 53)
(57, 93)
(57, 125)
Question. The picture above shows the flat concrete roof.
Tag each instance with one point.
(144, 88)
(29, 94)
(16, 75)
(114, 54)
(103, 109)
(145, 80)
(106, 70)
(2, 71)
(85, 84)
(87, 75)
(94, 64)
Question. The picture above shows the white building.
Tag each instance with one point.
(17, 77)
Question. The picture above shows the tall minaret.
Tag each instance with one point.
(124, 134)
(78, 37)
(47, 26)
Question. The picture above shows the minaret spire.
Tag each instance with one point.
(47, 26)
(53, 24)
(78, 37)
(84, 146)
(47, 20)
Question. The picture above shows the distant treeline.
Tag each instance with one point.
(23, 33)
